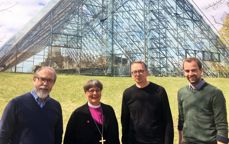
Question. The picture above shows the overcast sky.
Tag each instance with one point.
(14, 14)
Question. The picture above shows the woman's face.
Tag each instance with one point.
(93, 95)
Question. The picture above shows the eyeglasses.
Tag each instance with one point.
(137, 72)
(42, 79)
(92, 90)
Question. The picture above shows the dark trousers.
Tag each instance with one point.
(215, 142)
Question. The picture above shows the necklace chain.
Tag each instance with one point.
(100, 132)
(100, 121)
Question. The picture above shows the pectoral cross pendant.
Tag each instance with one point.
(102, 140)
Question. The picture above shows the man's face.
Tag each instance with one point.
(43, 82)
(192, 72)
(139, 73)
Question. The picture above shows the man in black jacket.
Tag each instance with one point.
(146, 117)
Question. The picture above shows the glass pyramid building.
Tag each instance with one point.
(102, 37)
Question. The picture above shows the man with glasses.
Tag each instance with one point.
(146, 117)
(34, 117)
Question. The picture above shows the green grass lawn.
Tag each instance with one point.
(68, 90)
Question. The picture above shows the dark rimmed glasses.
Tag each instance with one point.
(43, 79)
(92, 90)
(137, 72)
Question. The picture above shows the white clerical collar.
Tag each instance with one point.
(93, 106)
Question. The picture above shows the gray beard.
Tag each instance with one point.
(42, 94)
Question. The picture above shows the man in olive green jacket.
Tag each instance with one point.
(202, 109)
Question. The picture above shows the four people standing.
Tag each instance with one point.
(145, 116)
(202, 109)
(34, 117)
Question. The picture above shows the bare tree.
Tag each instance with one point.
(216, 4)
(6, 5)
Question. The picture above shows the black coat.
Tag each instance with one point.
(81, 128)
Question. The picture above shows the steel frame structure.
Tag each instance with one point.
(105, 36)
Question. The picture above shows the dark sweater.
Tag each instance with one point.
(202, 114)
(24, 122)
(146, 117)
